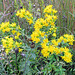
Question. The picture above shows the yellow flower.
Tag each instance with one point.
(17, 44)
(18, 13)
(54, 11)
(16, 37)
(54, 17)
(20, 50)
(51, 49)
(4, 30)
(18, 27)
(8, 29)
(13, 24)
(21, 16)
(42, 34)
(54, 34)
(62, 49)
(7, 51)
(52, 23)
(45, 53)
(67, 57)
(57, 51)
(27, 13)
(18, 34)
(54, 42)
(23, 11)
(60, 39)
(65, 40)
(45, 40)
(37, 40)
(13, 31)
(43, 45)
(70, 43)
(7, 44)
(48, 9)
(66, 49)
(4, 43)
(20, 43)
(30, 21)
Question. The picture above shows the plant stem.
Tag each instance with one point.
(16, 65)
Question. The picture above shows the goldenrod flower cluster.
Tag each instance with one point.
(66, 38)
(10, 39)
(45, 27)
(23, 13)
(49, 10)
(5, 27)
(7, 43)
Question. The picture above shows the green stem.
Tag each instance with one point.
(16, 65)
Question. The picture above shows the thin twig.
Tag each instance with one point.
(4, 5)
